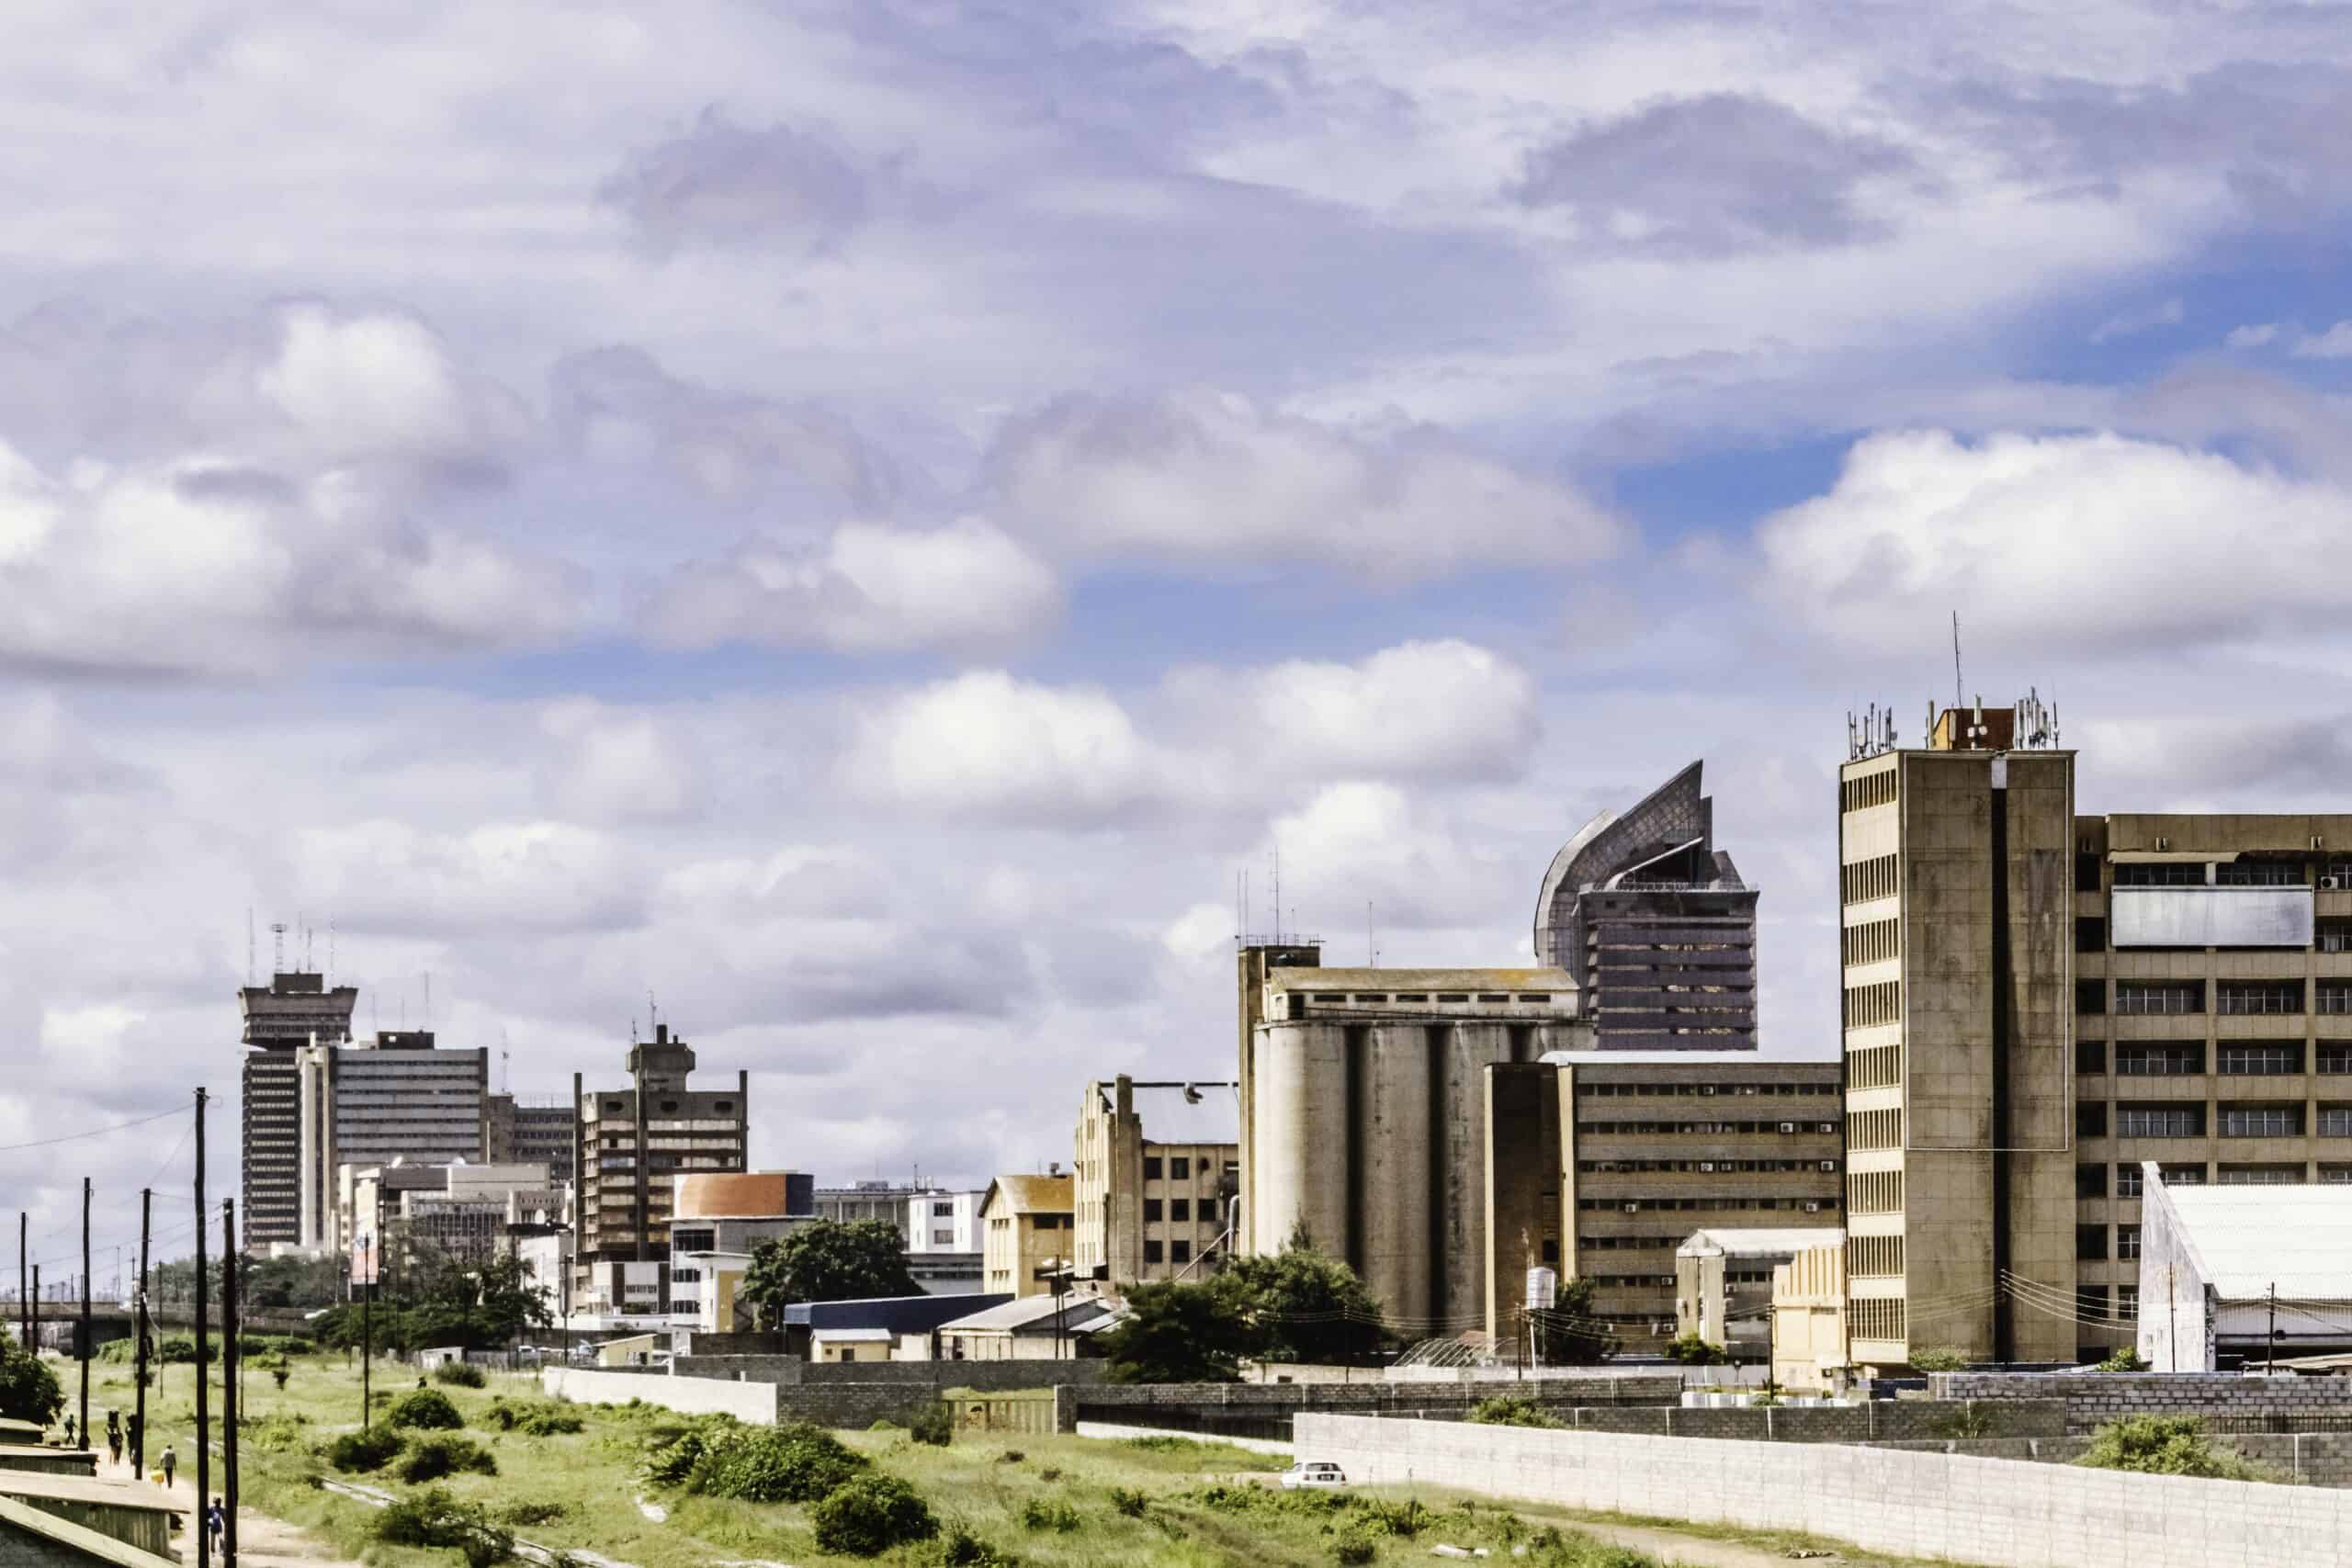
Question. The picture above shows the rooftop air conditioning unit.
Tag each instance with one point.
(1829, 1164)
(1707, 1165)
(1788, 1126)
(1812, 1208)
(2162, 845)
(2331, 882)
(1633, 1208)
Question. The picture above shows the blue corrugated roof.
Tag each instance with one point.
(899, 1314)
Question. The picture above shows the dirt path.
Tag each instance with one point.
(1695, 1551)
(262, 1541)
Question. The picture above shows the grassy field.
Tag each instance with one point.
(1158, 1504)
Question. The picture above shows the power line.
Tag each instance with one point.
(93, 1132)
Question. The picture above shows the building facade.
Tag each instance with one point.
(629, 1143)
(532, 1132)
(1157, 1170)
(1599, 1165)
(1364, 1115)
(1655, 925)
(397, 1097)
(1722, 1283)
(295, 1010)
(2233, 1279)
(1026, 1226)
(1809, 1320)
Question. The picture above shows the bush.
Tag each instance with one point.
(1010, 1456)
(1350, 1549)
(2127, 1360)
(29, 1390)
(458, 1374)
(2167, 1445)
(933, 1424)
(425, 1410)
(368, 1450)
(1940, 1359)
(533, 1513)
(958, 1547)
(799, 1463)
(1048, 1514)
(433, 1519)
(869, 1515)
(1134, 1505)
(1693, 1351)
(430, 1459)
(180, 1349)
(1404, 1520)
(536, 1418)
(1508, 1410)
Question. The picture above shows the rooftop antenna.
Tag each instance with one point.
(428, 999)
(278, 947)
(1371, 952)
(249, 944)
(1278, 893)
(1957, 700)
(329, 974)
(652, 1013)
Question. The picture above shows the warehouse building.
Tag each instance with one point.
(2233, 1277)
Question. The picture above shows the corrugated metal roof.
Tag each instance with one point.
(1171, 1116)
(1753, 1241)
(2250, 1238)
(1022, 1312)
(1032, 1194)
(899, 1314)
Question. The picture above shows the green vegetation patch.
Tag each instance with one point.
(364, 1452)
(868, 1516)
(445, 1453)
(1508, 1410)
(2168, 1445)
(458, 1374)
(424, 1410)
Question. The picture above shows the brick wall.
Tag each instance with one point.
(2094, 1399)
(2314, 1458)
(1999, 1513)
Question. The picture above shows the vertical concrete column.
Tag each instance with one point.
(1300, 1117)
(1463, 1053)
(1392, 1187)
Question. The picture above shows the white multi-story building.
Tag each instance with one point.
(395, 1099)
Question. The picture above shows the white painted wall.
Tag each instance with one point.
(752, 1402)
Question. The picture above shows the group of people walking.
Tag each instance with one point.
(216, 1517)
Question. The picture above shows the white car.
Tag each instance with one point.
(1312, 1472)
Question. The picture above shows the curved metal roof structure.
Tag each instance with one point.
(1675, 815)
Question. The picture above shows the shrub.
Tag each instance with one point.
(533, 1513)
(433, 1519)
(1352, 1549)
(869, 1515)
(1010, 1456)
(181, 1348)
(2127, 1360)
(1049, 1472)
(799, 1463)
(1133, 1504)
(430, 1459)
(369, 1448)
(1048, 1514)
(424, 1410)
(535, 1418)
(458, 1374)
(933, 1424)
(1404, 1520)
(1692, 1352)
(2167, 1445)
(1939, 1359)
(274, 1434)
(280, 1374)
(1508, 1410)
(1968, 1421)
(958, 1547)
(29, 1390)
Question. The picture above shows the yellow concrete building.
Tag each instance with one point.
(1026, 1224)
(1157, 1169)
(1809, 1319)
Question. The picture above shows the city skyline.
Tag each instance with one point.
(862, 525)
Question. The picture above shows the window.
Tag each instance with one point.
(1874, 1129)
(2182, 1175)
(1151, 1167)
(1868, 879)
(2090, 1181)
(1872, 943)
(1208, 1209)
(2262, 1121)
(1180, 1209)
(1861, 793)
(1179, 1167)
(1875, 1318)
(2090, 934)
(1874, 1193)
(1868, 1006)
(2090, 1055)
(2335, 1057)
(2336, 996)
(2090, 1241)
(1876, 1255)
(943, 1211)
(1180, 1252)
(2242, 996)
(1151, 1252)
(2141, 997)
(1551, 1250)
(2090, 997)
(2163, 874)
(1151, 1207)
(2258, 874)
(2257, 1059)
(2127, 1302)
(2129, 1179)
(942, 1238)
(2160, 1120)
(1879, 1066)
(2336, 1175)
(2086, 872)
(2335, 1120)
(2127, 1241)
(2333, 936)
(2135, 1059)
(2090, 1121)
(2090, 1302)
(2261, 1176)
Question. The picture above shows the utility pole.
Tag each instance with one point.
(230, 1361)
(24, 1261)
(203, 1346)
(366, 1328)
(84, 1347)
(2172, 1313)
(142, 1348)
(2270, 1340)
(32, 1324)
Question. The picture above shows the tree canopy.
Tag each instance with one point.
(29, 1389)
(1304, 1305)
(437, 1300)
(832, 1261)
(1178, 1331)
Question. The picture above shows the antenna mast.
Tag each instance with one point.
(277, 946)
(1958, 701)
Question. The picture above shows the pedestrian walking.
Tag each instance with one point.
(131, 1426)
(69, 1429)
(216, 1524)
(114, 1437)
(171, 1464)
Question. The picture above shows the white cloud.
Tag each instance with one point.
(614, 765)
(985, 744)
(1443, 709)
(2253, 336)
(2131, 323)
(2096, 542)
(370, 384)
(1359, 841)
(536, 876)
(2334, 343)
(873, 589)
(1200, 477)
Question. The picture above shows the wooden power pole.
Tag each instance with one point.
(229, 1359)
(84, 1347)
(203, 1355)
(140, 1351)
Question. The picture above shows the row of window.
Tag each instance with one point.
(1700, 1090)
(1662, 1205)
(1489, 999)
(1874, 1255)
(1871, 789)
(1177, 1252)
(2240, 873)
(1874, 1129)
(1634, 1281)
(1177, 1168)
(1867, 1006)
(1613, 1166)
(1671, 1129)
(2183, 1058)
(2090, 1180)
(1874, 1193)
(1179, 1210)
(1874, 1317)
(1875, 943)
(2189, 1120)
(1877, 1066)
(1868, 879)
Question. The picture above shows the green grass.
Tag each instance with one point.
(1151, 1505)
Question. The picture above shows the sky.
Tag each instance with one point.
(857, 525)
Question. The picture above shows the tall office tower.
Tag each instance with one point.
(295, 1010)
(1958, 946)
(394, 1099)
(532, 1132)
(1655, 926)
(629, 1143)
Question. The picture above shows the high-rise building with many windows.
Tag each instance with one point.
(295, 1010)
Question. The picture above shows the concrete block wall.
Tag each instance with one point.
(1996, 1511)
(792, 1371)
(2094, 1399)
(2313, 1459)
(752, 1402)
(1265, 1410)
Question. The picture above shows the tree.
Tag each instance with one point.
(828, 1261)
(1569, 1335)
(292, 1281)
(1304, 1305)
(27, 1388)
(1693, 1351)
(1179, 1331)
(2167, 1445)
